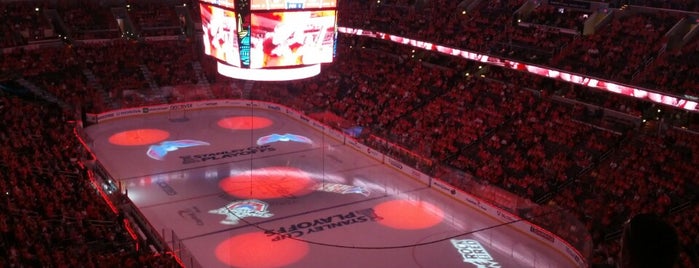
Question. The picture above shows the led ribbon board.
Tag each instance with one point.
(686, 102)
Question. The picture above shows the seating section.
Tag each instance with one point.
(558, 17)
(24, 22)
(540, 35)
(687, 5)
(675, 72)
(531, 44)
(51, 215)
(544, 143)
(648, 174)
(619, 50)
(155, 19)
(86, 19)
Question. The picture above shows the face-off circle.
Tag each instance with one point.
(408, 214)
(268, 183)
(244, 122)
(259, 250)
(138, 137)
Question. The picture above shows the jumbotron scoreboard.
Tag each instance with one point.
(269, 40)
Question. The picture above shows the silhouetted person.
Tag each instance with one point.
(649, 242)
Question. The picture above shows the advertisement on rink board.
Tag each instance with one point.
(179, 107)
(336, 134)
(374, 153)
(128, 112)
(394, 163)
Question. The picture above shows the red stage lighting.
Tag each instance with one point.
(244, 122)
(258, 250)
(408, 214)
(139, 137)
(268, 183)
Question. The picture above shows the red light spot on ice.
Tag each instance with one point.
(408, 214)
(244, 122)
(136, 137)
(270, 182)
(258, 250)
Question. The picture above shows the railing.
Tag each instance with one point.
(179, 249)
(117, 197)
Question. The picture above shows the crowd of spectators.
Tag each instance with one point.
(558, 17)
(647, 174)
(51, 213)
(379, 109)
(123, 68)
(619, 50)
(469, 31)
(623, 104)
(23, 63)
(685, 222)
(532, 44)
(675, 71)
(170, 62)
(545, 142)
(155, 18)
(24, 22)
(87, 19)
(127, 68)
(116, 65)
(687, 5)
(502, 126)
(539, 35)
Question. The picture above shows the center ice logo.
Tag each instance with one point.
(242, 209)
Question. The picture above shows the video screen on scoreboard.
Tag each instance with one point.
(291, 4)
(224, 3)
(290, 38)
(220, 34)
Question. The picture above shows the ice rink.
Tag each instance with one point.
(250, 187)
